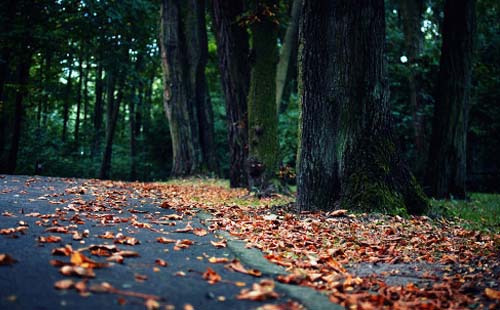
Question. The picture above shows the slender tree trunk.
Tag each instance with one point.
(347, 154)
(98, 112)
(112, 111)
(67, 99)
(286, 52)
(411, 11)
(197, 52)
(78, 102)
(232, 49)
(447, 168)
(22, 80)
(47, 76)
(179, 107)
(262, 114)
(86, 91)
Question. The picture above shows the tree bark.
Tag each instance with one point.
(23, 70)
(262, 114)
(197, 53)
(286, 52)
(113, 108)
(347, 153)
(447, 167)
(179, 106)
(232, 49)
(78, 103)
(98, 112)
(67, 99)
(411, 11)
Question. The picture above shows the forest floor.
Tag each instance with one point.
(195, 244)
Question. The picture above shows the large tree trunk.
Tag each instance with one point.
(447, 171)
(411, 11)
(262, 114)
(347, 155)
(287, 50)
(98, 112)
(232, 49)
(113, 107)
(67, 100)
(178, 101)
(23, 70)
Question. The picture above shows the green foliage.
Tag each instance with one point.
(480, 212)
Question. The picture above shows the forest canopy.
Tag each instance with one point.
(117, 89)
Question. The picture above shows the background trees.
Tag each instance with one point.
(65, 66)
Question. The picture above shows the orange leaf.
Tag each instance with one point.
(492, 294)
(211, 276)
(218, 260)
(200, 232)
(188, 228)
(238, 267)
(6, 259)
(165, 240)
(260, 291)
(220, 244)
(64, 284)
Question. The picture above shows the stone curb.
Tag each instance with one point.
(310, 298)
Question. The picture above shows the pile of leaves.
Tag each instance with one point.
(321, 249)
(361, 261)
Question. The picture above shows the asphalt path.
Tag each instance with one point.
(39, 203)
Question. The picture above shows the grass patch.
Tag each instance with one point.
(480, 212)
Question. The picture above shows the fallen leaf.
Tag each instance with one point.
(152, 304)
(219, 244)
(200, 232)
(188, 228)
(78, 259)
(211, 276)
(77, 271)
(337, 213)
(64, 284)
(6, 259)
(128, 253)
(218, 260)
(140, 277)
(165, 240)
(49, 239)
(161, 262)
(491, 293)
(64, 251)
(259, 291)
(238, 267)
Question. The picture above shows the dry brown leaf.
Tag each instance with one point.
(64, 284)
(49, 239)
(211, 276)
(6, 259)
(64, 251)
(218, 260)
(260, 291)
(188, 228)
(77, 271)
(491, 293)
(219, 244)
(238, 267)
(152, 304)
(200, 232)
(128, 253)
(161, 262)
(165, 240)
(78, 259)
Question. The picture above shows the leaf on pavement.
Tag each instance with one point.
(6, 259)
(64, 284)
(236, 265)
(200, 232)
(218, 260)
(219, 244)
(186, 229)
(49, 239)
(211, 276)
(259, 291)
(77, 271)
(165, 240)
(492, 294)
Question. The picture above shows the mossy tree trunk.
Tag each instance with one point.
(447, 169)
(347, 153)
(262, 114)
(183, 53)
(232, 50)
